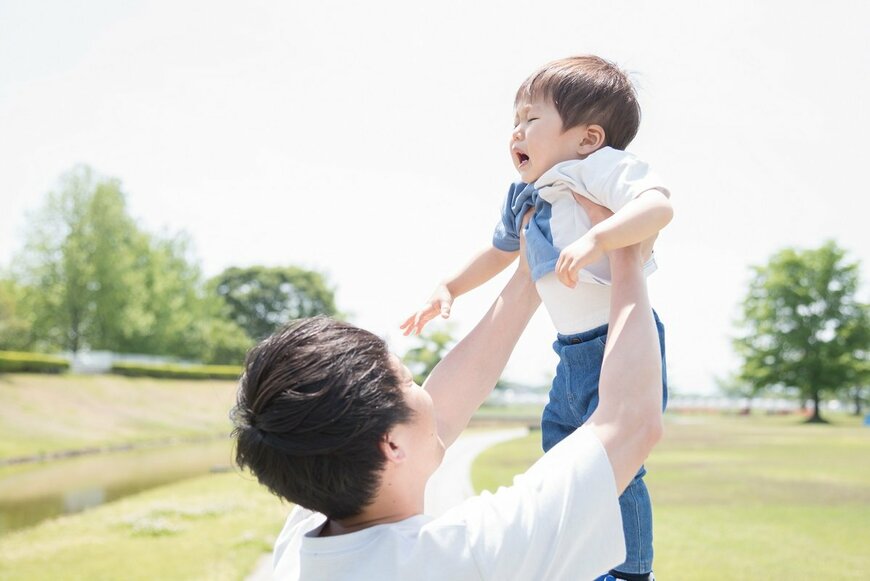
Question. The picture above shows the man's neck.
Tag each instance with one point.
(363, 521)
(396, 500)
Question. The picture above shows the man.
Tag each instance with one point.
(329, 419)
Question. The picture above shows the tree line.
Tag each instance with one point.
(90, 278)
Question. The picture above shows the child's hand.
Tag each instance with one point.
(439, 303)
(584, 251)
(575, 256)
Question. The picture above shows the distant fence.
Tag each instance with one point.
(89, 362)
(771, 406)
(681, 403)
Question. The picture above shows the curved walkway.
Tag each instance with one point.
(448, 486)
(451, 483)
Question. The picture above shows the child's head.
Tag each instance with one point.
(568, 109)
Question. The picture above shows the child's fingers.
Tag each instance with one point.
(571, 273)
(561, 270)
(564, 271)
(415, 327)
(572, 279)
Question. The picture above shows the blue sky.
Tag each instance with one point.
(370, 140)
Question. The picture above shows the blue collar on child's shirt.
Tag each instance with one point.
(541, 253)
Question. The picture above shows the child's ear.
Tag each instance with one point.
(591, 140)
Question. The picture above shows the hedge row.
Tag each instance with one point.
(15, 362)
(170, 371)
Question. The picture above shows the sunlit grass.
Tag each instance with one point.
(44, 413)
(741, 498)
(212, 527)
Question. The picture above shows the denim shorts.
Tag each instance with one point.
(573, 398)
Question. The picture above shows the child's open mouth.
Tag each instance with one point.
(522, 157)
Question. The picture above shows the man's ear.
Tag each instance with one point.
(391, 449)
(591, 140)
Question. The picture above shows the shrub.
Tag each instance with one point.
(16, 362)
(173, 371)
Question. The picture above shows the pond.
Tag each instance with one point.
(32, 493)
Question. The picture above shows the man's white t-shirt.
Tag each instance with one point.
(559, 520)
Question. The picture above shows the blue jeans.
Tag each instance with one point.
(573, 398)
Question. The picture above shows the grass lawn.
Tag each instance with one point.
(211, 527)
(49, 413)
(745, 497)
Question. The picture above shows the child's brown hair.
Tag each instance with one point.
(587, 89)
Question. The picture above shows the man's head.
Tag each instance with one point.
(568, 109)
(316, 405)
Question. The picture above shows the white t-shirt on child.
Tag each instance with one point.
(611, 178)
(559, 520)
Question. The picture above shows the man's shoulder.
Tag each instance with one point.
(300, 522)
(399, 550)
(301, 517)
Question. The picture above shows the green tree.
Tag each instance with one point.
(14, 321)
(431, 347)
(261, 299)
(169, 295)
(79, 250)
(858, 397)
(804, 329)
(89, 277)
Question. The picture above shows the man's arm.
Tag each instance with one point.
(461, 382)
(485, 265)
(628, 419)
(561, 518)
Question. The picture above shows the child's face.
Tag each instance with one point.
(538, 143)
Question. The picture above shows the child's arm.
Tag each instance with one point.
(638, 221)
(484, 266)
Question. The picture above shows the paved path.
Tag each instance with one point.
(448, 486)
(451, 483)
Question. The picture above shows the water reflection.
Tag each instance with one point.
(31, 494)
(78, 500)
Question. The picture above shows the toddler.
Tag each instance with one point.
(573, 120)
